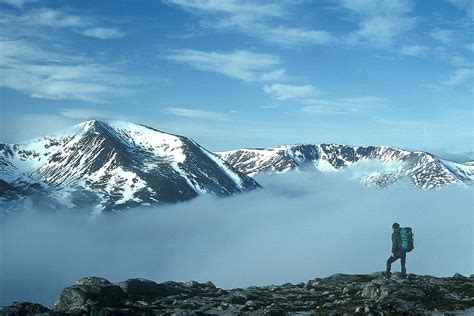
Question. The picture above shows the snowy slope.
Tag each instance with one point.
(420, 168)
(115, 165)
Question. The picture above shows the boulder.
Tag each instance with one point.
(345, 278)
(237, 297)
(458, 276)
(146, 289)
(92, 281)
(76, 296)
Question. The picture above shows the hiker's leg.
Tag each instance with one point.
(403, 257)
(390, 260)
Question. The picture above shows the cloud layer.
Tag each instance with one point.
(301, 226)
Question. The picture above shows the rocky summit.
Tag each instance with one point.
(337, 294)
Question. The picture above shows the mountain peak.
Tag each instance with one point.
(115, 165)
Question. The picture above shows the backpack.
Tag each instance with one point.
(406, 235)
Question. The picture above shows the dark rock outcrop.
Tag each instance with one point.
(337, 294)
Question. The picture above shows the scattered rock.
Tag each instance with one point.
(458, 276)
(340, 294)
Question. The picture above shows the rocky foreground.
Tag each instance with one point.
(337, 294)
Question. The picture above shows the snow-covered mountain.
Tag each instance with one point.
(112, 166)
(420, 168)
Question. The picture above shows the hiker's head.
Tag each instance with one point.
(395, 226)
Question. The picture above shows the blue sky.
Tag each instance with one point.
(236, 74)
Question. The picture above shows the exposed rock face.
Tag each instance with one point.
(337, 294)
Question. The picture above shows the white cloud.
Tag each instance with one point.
(83, 114)
(54, 18)
(286, 92)
(341, 105)
(414, 50)
(377, 7)
(380, 22)
(444, 36)
(49, 74)
(32, 22)
(292, 36)
(460, 62)
(240, 64)
(459, 77)
(196, 114)
(103, 33)
(17, 3)
(467, 5)
(232, 7)
(254, 19)
(274, 75)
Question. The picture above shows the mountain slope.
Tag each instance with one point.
(116, 165)
(420, 168)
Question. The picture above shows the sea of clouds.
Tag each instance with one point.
(300, 226)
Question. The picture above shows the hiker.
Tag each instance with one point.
(397, 251)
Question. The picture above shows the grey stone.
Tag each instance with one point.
(458, 276)
(237, 297)
(370, 291)
(92, 281)
(69, 298)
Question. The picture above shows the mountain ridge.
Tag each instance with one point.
(421, 168)
(108, 166)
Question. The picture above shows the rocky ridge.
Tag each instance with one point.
(392, 164)
(337, 294)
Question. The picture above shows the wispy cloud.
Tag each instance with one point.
(256, 19)
(459, 77)
(274, 75)
(288, 92)
(287, 36)
(17, 3)
(33, 21)
(54, 18)
(341, 105)
(444, 36)
(196, 113)
(414, 50)
(103, 33)
(28, 68)
(232, 7)
(240, 64)
(380, 22)
(309, 99)
(84, 114)
(466, 5)
(36, 61)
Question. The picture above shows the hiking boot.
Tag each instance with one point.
(403, 274)
(387, 275)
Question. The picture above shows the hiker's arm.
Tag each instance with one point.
(395, 244)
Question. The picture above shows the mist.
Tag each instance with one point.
(300, 226)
